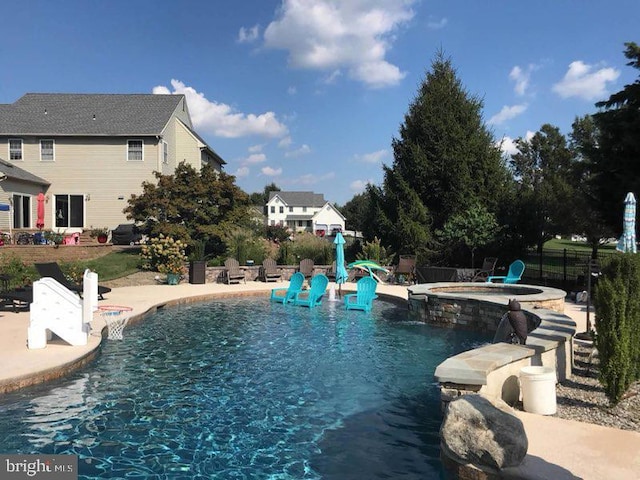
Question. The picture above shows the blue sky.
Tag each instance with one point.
(309, 93)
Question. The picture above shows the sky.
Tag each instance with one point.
(308, 94)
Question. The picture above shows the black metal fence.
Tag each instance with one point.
(566, 269)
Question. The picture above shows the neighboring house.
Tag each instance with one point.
(88, 153)
(304, 211)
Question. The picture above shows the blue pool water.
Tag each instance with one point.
(241, 388)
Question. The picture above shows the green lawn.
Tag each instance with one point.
(116, 264)
(561, 244)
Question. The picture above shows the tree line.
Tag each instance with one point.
(450, 192)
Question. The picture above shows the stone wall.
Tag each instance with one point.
(56, 253)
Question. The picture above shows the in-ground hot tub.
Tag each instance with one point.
(477, 305)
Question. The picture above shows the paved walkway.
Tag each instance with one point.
(558, 449)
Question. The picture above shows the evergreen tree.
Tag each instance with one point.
(615, 161)
(444, 160)
(542, 168)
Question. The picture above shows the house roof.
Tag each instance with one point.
(300, 199)
(88, 114)
(16, 173)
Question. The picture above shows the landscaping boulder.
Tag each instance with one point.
(477, 432)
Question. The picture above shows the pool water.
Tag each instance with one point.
(241, 388)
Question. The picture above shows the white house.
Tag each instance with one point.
(304, 211)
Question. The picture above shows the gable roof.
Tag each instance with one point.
(88, 114)
(16, 173)
(300, 199)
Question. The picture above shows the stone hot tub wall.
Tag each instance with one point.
(493, 369)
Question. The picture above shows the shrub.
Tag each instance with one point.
(375, 251)
(617, 304)
(164, 254)
(307, 245)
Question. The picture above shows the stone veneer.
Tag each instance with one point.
(493, 370)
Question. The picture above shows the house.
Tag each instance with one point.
(304, 211)
(88, 153)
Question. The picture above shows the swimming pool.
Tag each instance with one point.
(241, 388)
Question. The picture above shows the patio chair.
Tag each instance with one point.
(364, 296)
(53, 270)
(516, 269)
(286, 295)
(487, 270)
(18, 298)
(407, 268)
(232, 272)
(270, 271)
(312, 297)
(306, 268)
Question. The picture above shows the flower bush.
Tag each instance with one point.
(165, 255)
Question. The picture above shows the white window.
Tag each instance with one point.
(15, 149)
(165, 152)
(47, 153)
(134, 150)
(290, 209)
(304, 209)
(281, 209)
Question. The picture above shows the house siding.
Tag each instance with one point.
(95, 167)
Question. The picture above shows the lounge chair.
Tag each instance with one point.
(487, 270)
(407, 268)
(18, 298)
(312, 297)
(364, 296)
(270, 271)
(232, 272)
(286, 295)
(306, 268)
(516, 269)
(53, 270)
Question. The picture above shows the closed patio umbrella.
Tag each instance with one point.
(627, 242)
(341, 272)
(40, 210)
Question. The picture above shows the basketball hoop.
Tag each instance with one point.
(114, 319)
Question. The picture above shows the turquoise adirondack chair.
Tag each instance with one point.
(313, 297)
(286, 295)
(364, 296)
(516, 269)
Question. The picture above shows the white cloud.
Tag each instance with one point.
(507, 113)
(584, 81)
(221, 120)
(285, 142)
(256, 158)
(256, 148)
(521, 79)
(312, 179)
(303, 150)
(373, 157)
(437, 24)
(292, 90)
(507, 146)
(271, 172)
(330, 35)
(242, 172)
(358, 186)
(248, 35)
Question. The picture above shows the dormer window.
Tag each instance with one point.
(134, 150)
(47, 150)
(15, 149)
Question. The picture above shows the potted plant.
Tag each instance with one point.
(174, 269)
(100, 233)
(166, 255)
(197, 263)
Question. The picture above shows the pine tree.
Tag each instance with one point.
(444, 160)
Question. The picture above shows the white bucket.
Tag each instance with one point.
(538, 390)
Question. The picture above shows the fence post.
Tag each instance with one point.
(564, 268)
